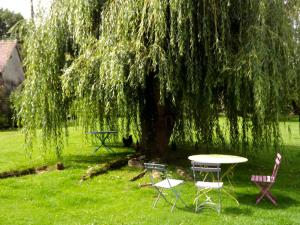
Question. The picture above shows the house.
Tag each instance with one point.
(11, 75)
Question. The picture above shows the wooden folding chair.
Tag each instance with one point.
(264, 183)
(163, 183)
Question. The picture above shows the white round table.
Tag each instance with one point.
(218, 158)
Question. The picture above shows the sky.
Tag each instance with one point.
(23, 6)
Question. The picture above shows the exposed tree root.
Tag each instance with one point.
(101, 169)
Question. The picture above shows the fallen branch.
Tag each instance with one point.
(139, 176)
(101, 169)
(28, 171)
(17, 173)
(145, 185)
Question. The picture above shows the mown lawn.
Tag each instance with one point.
(57, 197)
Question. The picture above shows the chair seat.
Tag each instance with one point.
(213, 185)
(262, 179)
(168, 184)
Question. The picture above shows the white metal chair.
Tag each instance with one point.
(160, 181)
(207, 178)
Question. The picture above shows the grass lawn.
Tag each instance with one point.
(57, 197)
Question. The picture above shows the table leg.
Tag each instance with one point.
(96, 149)
(228, 175)
(102, 139)
(99, 137)
(230, 195)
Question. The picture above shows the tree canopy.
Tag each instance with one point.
(162, 69)
(7, 20)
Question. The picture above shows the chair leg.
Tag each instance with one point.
(219, 207)
(178, 195)
(265, 192)
(271, 198)
(160, 194)
(259, 198)
(196, 208)
(261, 193)
(197, 200)
(174, 204)
(158, 197)
(208, 201)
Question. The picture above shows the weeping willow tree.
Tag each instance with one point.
(165, 69)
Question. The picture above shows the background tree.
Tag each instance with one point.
(7, 20)
(31, 9)
(294, 107)
(164, 68)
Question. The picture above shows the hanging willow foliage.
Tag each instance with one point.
(206, 57)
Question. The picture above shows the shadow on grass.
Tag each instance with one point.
(237, 211)
(189, 208)
(283, 201)
(234, 210)
(2, 130)
(82, 161)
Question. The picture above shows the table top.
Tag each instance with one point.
(217, 158)
(103, 132)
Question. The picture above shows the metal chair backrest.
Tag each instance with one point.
(155, 167)
(206, 168)
(276, 166)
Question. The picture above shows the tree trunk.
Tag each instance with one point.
(157, 120)
(32, 10)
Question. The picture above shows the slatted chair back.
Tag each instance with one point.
(206, 168)
(155, 167)
(276, 166)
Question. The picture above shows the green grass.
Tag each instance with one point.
(57, 197)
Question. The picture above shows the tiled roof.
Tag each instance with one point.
(6, 49)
